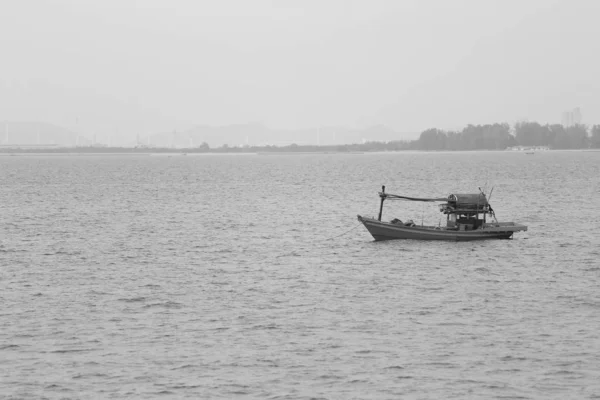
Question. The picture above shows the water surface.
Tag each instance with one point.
(249, 277)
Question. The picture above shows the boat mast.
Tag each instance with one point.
(382, 195)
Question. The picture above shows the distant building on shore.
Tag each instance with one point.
(528, 148)
(570, 118)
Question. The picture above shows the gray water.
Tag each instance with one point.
(150, 277)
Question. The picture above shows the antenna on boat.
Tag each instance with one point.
(491, 210)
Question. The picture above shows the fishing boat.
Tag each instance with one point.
(468, 217)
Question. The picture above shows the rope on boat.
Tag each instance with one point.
(349, 230)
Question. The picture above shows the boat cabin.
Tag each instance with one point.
(463, 211)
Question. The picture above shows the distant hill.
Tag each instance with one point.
(41, 133)
(258, 134)
(33, 133)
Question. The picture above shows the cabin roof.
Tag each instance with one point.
(467, 199)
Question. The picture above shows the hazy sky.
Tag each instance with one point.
(137, 67)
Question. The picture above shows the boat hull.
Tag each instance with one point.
(389, 231)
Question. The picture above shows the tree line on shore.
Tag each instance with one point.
(500, 136)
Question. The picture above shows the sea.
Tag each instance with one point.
(249, 277)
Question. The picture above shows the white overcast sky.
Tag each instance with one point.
(138, 67)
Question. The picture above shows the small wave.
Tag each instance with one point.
(220, 283)
(9, 346)
(58, 388)
(64, 351)
(291, 254)
(358, 381)
(326, 376)
(81, 376)
(451, 324)
(186, 386)
(563, 372)
(165, 392)
(133, 299)
(270, 326)
(167, 304)
(511, 358)
(68, 253)
(394, 367)
(221, 328)
(504, 370)
(93, 292)
(184, 366)
(591, 304)
(442, 364)
(467, 381)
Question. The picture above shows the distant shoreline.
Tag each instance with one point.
(57, 153)
(264, 153)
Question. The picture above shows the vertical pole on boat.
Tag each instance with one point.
(485, 211)
(382, 195)
(485, 208)
(477, 214)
